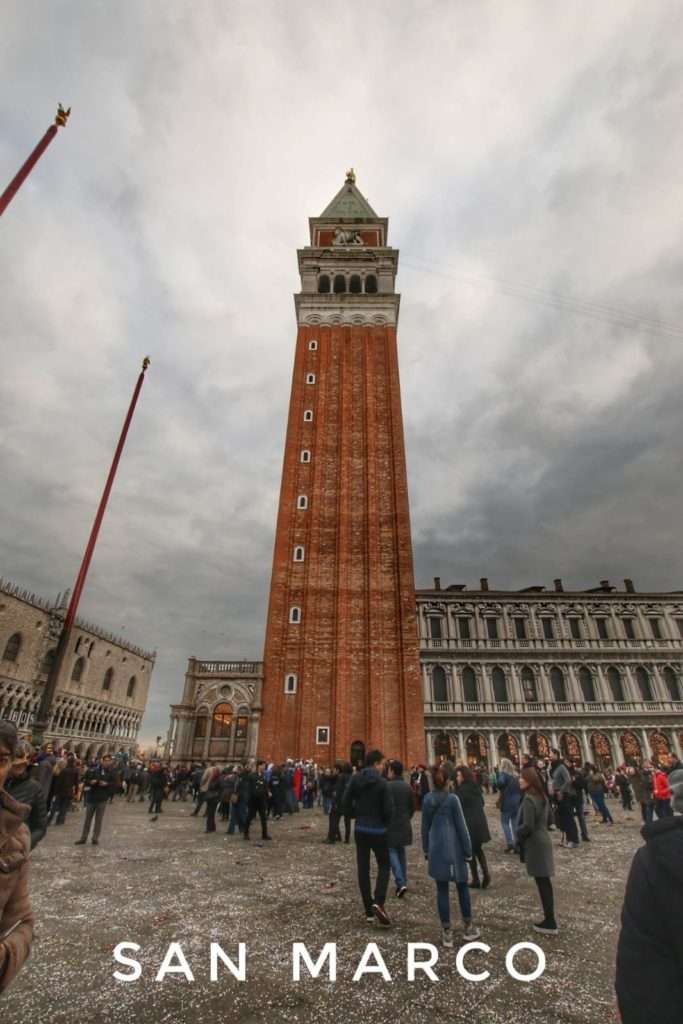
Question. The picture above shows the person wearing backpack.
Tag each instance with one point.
(448, 849)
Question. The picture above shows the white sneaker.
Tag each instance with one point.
(447, 937)
(471, 933)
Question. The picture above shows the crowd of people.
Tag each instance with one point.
(377, 800)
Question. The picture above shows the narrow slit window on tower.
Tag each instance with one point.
(355, 285)
(308, 416)
(299, 553)
(371, 284)
(310, 378)
(323, 284)
(339, 284)
(290, 682)
(313, 346)
(295, 614)
(305, 455)
(302, 501)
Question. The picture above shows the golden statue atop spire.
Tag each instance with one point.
(62, 116)
(351, 176)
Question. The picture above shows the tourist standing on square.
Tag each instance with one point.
(597, 788)
(472, 802)
(16, 917)
(662, 793)
(535, 844)
(158, 781)
(26, 790)
(447, 847)
(343, 776)
(368, 799)
(641, 780)
(259, 795)
(400, 830)
(509, 799)
(64, 789)
(212, 798)
(98, 785)
(563, 794)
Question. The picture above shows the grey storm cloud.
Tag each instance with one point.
(528, 156)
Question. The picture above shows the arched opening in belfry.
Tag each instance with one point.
(324, 284)
(339, 284)
(371, 284)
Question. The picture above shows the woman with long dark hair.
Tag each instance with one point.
(470, 796)
(536, 848)
(447, 847)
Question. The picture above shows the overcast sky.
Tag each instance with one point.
(529, 158)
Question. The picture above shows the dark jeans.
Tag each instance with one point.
(236, 818)
(626, 800)
(95, 811)
(62, 806)
(155, 798)
(211, 805)
(565, 815)
(254, 809)
(443, 902)
(367, 843)
(577, 811)
(601, 807)
(333, 830)
(647, 812)
(663, 808)
(545, 891)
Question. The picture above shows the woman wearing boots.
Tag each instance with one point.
(535, 846)
(470, 796)
(447, 847)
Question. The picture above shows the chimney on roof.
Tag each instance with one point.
(558, 586)
(630, 589)
(604, 584)
(484, 583)
(437, 583)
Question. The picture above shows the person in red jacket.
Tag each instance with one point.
(662, 794)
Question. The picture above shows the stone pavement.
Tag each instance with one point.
(156, 883)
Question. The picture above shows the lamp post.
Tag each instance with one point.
(43, 714)
(22, 174)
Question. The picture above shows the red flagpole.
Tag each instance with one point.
(24, 171)
(42, 716)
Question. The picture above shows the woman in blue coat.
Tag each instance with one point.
(447, 847)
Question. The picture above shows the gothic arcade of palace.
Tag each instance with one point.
(354, 656)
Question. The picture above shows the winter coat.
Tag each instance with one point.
(400, 830)
(341, 783)
(158, 782)
(642, 786)
(445, 840)
(661, 789)
(42, 771)
(368, 799)
(66, 782)
(649, 978)
(561, 780)
(511, 793)
(26, 790)
(214, 790)
(472, 803)
(16, 916)
(533, 836)
(596, 783)
(98, 794)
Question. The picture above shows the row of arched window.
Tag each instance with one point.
(225, 724)
(341, 283)
(558, 685)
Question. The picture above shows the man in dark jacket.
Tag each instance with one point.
(368, 799)
(400, 831)
(563, 793)
(259, 794)
(158, 781)
(98, 785)
(27, 790)
(649, 981)
(341, 781)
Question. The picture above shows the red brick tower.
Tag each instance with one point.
(341, 662)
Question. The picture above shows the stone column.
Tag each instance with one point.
(493, 750)
(585, 744)
(522, 739)
(645, 743)
(603, 691)
(207, 739)
(462, 753)
(574, 691)
(617, 752)
(554, 739)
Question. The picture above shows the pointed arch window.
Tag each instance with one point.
(439, 685)
(108, 679)
(616, 685)
(558, 685)
(469, 685)
(500, 689)
(48, 661)
(529, 688)
(12, 648)
(77, 671)
(644, 683)
(672, 683)
(587, 685)
(132, 683)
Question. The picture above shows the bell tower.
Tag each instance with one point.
(341, 662)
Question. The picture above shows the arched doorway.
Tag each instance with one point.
(631, 748)
(570, 746)
(357, 754)
(602, 751)
(539, 744)
(477, 751)
(508, 747)
(443, 745)
(660, 745)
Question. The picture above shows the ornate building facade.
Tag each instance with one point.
(341, 661)
(596, 673)
(102, 691)
(217, 719)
